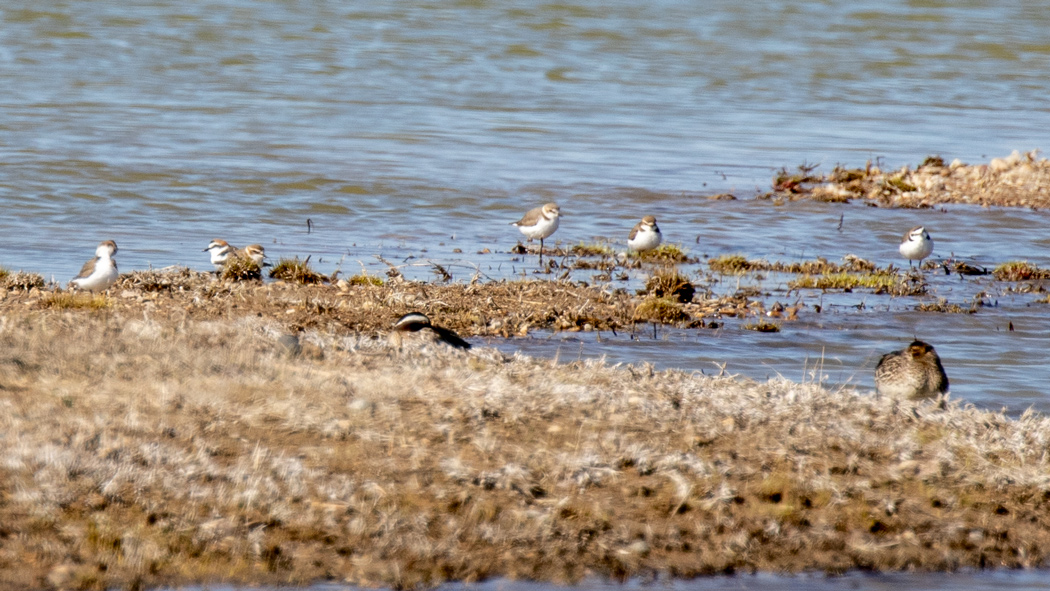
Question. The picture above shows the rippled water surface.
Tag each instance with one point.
(417, 130)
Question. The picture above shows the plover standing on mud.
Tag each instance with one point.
(914, 372)
(539, 223)
(100, 272)
(220, 251)
(416, 322)
(916, 245)
(645, 235)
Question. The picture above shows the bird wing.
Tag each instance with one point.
(87, 269)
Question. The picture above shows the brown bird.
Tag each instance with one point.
(417, 321)
(913, 373)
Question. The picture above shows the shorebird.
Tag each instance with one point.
(914, 372)
(417, 321)
(100, 272)
(255, 252)
(645, 235)
(916, 245)
(220, 251)
(539, 223)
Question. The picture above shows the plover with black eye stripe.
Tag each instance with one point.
(255, 252)
(220, 250)
(99, 273)
(539, 223)
(645, 235)
(916, 245)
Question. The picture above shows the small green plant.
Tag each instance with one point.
(296, 271)
(364, 279)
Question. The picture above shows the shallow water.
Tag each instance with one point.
(417, 131)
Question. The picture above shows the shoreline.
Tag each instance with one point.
(148, 446)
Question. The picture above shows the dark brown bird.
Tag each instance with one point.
(912, 373)
(417, 321)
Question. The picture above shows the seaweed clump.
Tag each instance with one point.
(296, 271)
(669, 283)
(1019, 271)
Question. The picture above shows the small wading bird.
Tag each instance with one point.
(416, 322)
(645, 235)
(916, 245)
(220, 251)
(100, 272)
(539, 223)
(255, 252)
(913, 373)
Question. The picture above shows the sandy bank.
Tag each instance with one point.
(143, 447)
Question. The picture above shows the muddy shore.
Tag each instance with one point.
(169, 435)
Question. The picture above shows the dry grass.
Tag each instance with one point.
(142, 452)
(66, 300)
(20, 281)
(668, 282)
(1019, 271)
(241, 268)
(1020, 180)
(296, 271)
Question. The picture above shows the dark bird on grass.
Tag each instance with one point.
(913, 373)
(417, 322)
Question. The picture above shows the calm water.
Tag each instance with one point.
(417, 130)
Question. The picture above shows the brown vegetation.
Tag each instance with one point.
(1021, 180)
(157, 445)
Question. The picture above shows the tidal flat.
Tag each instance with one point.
(170, 436)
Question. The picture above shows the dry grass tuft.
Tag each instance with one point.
(241, 268)
(1019, 271)
(666, 310)
(166, 280)
(296, 271)
(762, 326)
(665, 253)
(596, 249)
(20, 280)
(72, 300)
(668, 282)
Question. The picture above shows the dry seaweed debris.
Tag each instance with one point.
(153, 453)
(20, 280)
(1019, 271)
(1020, 179)
(296, 271)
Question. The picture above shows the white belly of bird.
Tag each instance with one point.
(916, 250)
(541, 230)
(644, 240)
(104, 276)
